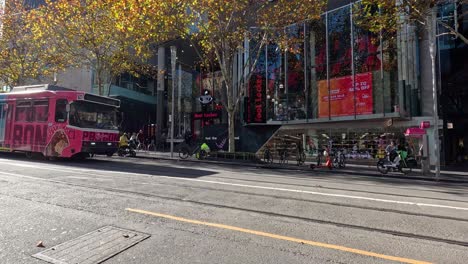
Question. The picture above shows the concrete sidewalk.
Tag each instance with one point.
(355, 169)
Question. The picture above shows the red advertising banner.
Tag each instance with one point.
(341, 97)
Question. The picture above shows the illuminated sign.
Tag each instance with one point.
(425, 124)
(344, 98)
(207, 115)
(257, 99)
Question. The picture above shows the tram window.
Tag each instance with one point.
(3, 111)
(41, 111)
(23, 112)
(61, 110)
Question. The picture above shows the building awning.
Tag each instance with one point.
(116, 91)
(415, 132)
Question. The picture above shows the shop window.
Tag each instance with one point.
(23, 112)
(358, 143)
(61, 110)
(334, 96)
(295, 81)
(41, 111)
(390, 74)
(367, 64)
(316, 50)
(276, 95)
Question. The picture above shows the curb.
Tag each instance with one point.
(306, 168)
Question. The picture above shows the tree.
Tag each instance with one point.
(222, 27)
(100, 34)
(22, 57)
(388, 15)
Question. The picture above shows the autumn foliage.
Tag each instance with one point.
(23, 58)
(223, 27)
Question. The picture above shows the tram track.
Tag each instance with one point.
(322, 202)
(147, 172)
(133, 168)
(261, 212)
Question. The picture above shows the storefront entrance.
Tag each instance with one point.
(362, 142)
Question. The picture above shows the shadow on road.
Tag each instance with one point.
(277, 176)
(395, 180)
(117, 165)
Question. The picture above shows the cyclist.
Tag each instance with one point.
(392, 153)
(188, 137)
(140, 137)
(205, 148)
(123, 141)
(402, 151)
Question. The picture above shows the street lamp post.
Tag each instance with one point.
(432, 49)
(173, 68)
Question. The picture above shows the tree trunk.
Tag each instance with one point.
(99, 85)
(99, 75)
(99, 82)
(231, 129)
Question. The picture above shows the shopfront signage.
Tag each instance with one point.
(205, 99)
(257, 99)
(344, 98)
(207, 115)
(425, 124)
(415, 132)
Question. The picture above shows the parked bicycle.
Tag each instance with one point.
(300, 156)
(267, 156)
(339, 159)
(283, 156)
(320, 157)
(151, 146)
(141, 146)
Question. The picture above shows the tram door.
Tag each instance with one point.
(3, 115)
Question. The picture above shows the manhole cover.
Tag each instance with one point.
(94, 247)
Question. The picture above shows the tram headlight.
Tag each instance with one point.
(93, 143)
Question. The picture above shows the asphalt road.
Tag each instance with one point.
(208, 213)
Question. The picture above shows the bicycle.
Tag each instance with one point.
(405, 166)
(141, 146)
(339, 159)
(319, 157)
(151, 146)
(283, 156)
(267, 156)
(186, 150)
(300, 156)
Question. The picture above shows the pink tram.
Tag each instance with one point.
(57, 122)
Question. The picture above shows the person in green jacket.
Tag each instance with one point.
(205, 149)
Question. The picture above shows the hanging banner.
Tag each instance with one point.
(341, 101)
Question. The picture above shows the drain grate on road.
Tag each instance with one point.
(94, 247)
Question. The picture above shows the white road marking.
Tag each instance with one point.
(87, 172)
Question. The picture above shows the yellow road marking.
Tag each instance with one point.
(286, 238)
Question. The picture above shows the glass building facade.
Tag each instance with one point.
(338, 84)
(331, 70)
